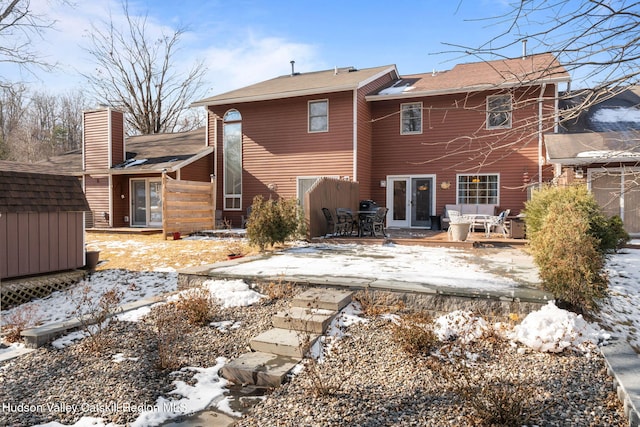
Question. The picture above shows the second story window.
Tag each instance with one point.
(499, 111)
(319, 116)
(411, 118)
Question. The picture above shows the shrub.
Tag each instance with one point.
(274, 221)
(375, 303)
(95, 316)
(414, 334)
(609, 233)
(569, 257)
(171, 327)
(196, 305)
(22, 317)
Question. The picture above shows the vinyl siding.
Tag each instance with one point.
(445, 148)
(96, 190)
(96, 139)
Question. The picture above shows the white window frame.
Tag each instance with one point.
(415, 105)
(309, 116)
(490, 112)
(229, 200)
(465, 200)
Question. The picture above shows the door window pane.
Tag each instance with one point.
(399, 200)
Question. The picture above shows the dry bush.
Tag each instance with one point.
(276, 290)
(322, 383)
(22, 317)
(171, 326)
(414, 333)
(495, 401)
(374, 303)
(197, 306)
(95, 316)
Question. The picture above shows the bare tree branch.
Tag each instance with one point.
(138, 74)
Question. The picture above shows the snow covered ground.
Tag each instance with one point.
(549, 329)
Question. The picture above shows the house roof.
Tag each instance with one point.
(35, 192)
(498, 74)
(145, 154)
(593, 147)
(301, 84)
(617, 110)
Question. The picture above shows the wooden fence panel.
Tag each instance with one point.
(328, 193)
(187, 206)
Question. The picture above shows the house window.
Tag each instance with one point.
(319, 116)
(411, 118)
(478, 189)
(232, 152)
(499, 111)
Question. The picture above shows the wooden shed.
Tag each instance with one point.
(41, 223)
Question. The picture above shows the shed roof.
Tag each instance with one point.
(476, 76)
(301, 84)
(36, 192)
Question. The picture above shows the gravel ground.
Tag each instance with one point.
(369, 380)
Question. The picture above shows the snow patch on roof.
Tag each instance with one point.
(614, 115)
(606, 154)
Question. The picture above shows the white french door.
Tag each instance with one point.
(411, 200)
(146, 202)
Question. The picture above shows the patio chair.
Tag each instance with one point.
(345, 220)
(333, 227)
(376, 223)
(499, 223)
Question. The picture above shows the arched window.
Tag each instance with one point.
(232, 152)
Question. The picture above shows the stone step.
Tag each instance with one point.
(258, 368)
(313, 320)
(326, 299)
(283, 342)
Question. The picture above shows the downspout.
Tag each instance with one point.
(110, 160)
(540, 143)
(355, 135)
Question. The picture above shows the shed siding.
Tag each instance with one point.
(445, 149)
(39, 243)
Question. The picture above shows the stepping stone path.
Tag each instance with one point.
(278, 350)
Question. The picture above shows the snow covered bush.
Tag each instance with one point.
(552, 329)
(460, 325)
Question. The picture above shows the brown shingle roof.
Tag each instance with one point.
(287, 86)
(503, 73)
(162, 151)
(35, 192)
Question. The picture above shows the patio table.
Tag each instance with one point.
(480, 219)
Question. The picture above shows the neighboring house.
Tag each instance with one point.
(602, 146)
(472, 134)
(41, 221)
(122, 176)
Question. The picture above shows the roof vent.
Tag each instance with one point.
(293, 71)
(524, 49)
(353, 69)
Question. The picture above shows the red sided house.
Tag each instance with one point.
(122, 177)
(471, 135)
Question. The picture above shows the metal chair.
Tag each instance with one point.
(375, 223)
(499, 222)
(345, 220)
(333, 226)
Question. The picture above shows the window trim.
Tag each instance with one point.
(315, 101)
(476, 202)
(402, 111)
(490, 112)
(225, 196)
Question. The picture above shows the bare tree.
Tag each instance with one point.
(597, 41)
(20, 28)
(136, 72)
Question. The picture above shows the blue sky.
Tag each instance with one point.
(245, 41)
